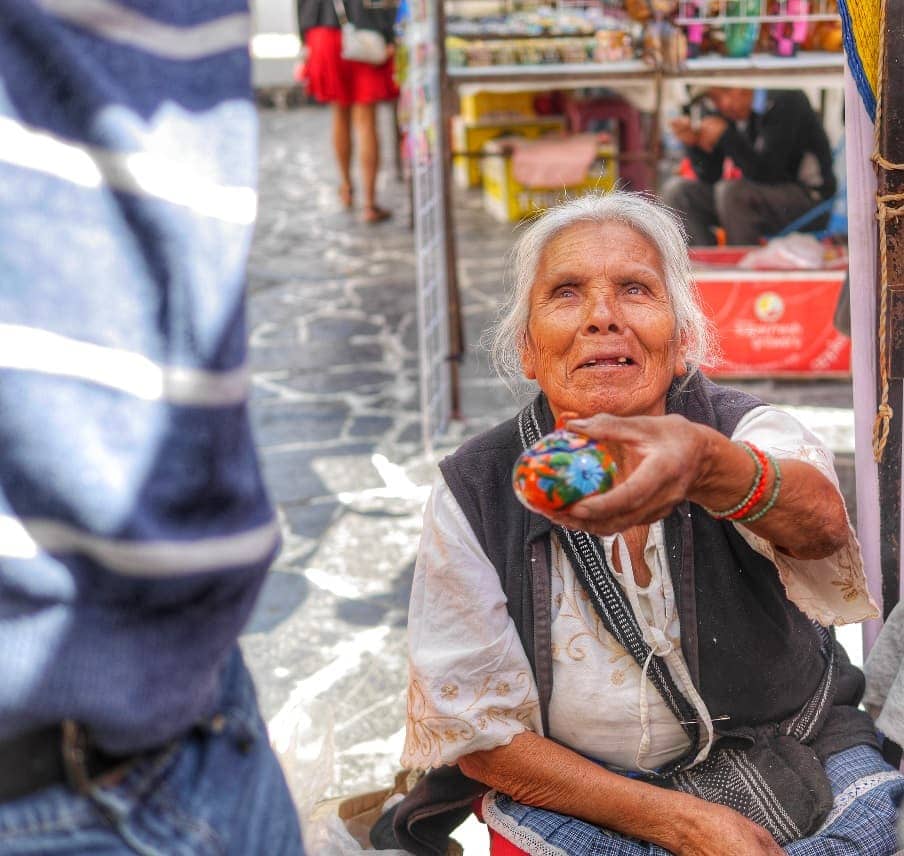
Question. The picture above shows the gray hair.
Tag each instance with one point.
(658, 223)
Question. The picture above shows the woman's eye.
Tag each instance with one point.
(565, 291)
(635, 288)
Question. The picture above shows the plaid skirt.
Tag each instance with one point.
(862, 821)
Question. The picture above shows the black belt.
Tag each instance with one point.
(59, 754)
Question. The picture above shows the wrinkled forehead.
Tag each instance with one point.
(590, 243)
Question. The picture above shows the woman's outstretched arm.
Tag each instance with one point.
(668, 459)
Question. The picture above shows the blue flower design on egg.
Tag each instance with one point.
(584, 473)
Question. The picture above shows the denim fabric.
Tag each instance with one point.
(866, 791)
(219, 790)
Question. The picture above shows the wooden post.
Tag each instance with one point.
(890, 184)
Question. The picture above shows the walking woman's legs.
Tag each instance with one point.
(342, 144)
(364, 119)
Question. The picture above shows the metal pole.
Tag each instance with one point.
(453, 295)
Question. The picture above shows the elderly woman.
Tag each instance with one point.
(648, 671)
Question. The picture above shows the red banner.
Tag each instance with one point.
(775, 322)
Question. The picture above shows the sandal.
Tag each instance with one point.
(374, 214)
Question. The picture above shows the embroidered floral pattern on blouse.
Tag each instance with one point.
(811, 594)
(568, 602)
(440, 727)
(848, 576)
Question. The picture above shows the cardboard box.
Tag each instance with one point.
(471, 136)
(772, 323)
(477, 106)
(509, 200)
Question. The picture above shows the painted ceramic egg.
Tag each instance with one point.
(561, 468)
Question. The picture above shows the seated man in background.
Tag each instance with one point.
(775, 140)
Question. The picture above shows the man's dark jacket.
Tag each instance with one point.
(772, 146)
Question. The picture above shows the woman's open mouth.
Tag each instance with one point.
(607, 361)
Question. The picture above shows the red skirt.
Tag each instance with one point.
(499, 844)
(340, 81)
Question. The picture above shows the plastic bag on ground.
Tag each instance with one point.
(303, 742)
(797, 251)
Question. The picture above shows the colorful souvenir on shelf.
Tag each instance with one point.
(693, 9)
(789, 34)
(825, 36)
(561, 468)
(741, 38)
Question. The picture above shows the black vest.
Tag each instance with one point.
(753, 655)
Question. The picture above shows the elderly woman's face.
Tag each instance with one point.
(601, 334)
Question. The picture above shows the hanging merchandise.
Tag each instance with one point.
(738, 29)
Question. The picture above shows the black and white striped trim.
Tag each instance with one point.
(777, 821)
(802, 726)
(615, 612)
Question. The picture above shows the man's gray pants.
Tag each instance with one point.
(746, 210)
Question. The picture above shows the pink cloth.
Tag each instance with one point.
(551, 163)
(582, 113)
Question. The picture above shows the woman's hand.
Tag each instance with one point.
(659, 459)
(721, 831)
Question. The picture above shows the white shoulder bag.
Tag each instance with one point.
(360, 45)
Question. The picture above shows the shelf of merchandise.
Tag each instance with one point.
(552, 75)
(809, 68)
(652, 90)
(632, 78)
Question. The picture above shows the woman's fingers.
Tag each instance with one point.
(655, 456)
(620, 429)
(652, 483)
(624, 506)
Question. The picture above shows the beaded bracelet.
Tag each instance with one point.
(773, 496)
(759, 484)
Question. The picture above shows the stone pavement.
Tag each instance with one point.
(333, 331)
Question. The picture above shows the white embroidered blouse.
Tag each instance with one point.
(470, 683)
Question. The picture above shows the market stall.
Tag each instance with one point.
(775, 321)
(516, 75)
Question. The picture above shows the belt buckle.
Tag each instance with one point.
(74, 751)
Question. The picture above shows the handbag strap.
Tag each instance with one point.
(592, 570)
(341, 14)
